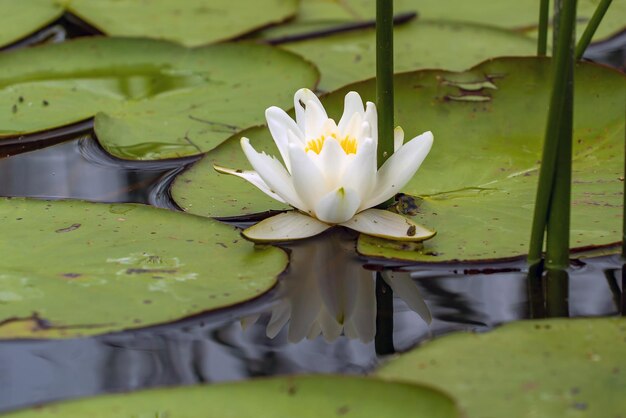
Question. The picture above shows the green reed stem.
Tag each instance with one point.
(384, 78)
(557, 235)
(562, 75)
(590, 30)
(542, 39)
(624, 215)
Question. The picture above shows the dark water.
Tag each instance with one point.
(289, 330)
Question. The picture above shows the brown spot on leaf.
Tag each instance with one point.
(71, 275)
(343, 410)
(151, 271)
(70, 228)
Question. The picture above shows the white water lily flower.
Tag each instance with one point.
(330, 172)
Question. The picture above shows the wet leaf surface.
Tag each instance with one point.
(303, 396)
(153, 99)
(477, 186)
(350, 57)
(72, 268)
(520, 16)
(188, 22)
(551, 368)
(23, 18)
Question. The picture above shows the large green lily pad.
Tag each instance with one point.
(153, 99)
(72, 268)
(284, 397)
(554, 368)
(23, 18)
(188, 22)
(477, 186)
(350, 57)
(507, 14)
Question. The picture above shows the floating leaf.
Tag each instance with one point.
(350, 57)
(156, 99)
(302, 396)
(189, 22)
(202, 191)
(21, 18)
(71, 268)
(552, 368)
(477, 186)
(510, 14)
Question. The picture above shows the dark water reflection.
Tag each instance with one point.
(81, 169)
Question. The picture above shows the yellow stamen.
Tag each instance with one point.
(348, 144)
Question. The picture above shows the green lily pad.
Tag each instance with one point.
(23, 18)
(202, 191)
(510, 14)
(350, 57)
(153, 99)
(302, 396)
(188, 22)
(122, 266)
(554, 368)
(477, 186)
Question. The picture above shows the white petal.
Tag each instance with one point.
(273, 173)
(385, 224)
(300, 99)
(329, 127)
(315, 119)
(354, 127)
(331, 162)
(404, 287)
(286, 226)
(360, 171)
(279, 124)
(353, 104)
(253, 177)
(337, 206)
(371, 117)
(307, 178)
(366, 131)
(400, 168)
(398, 138)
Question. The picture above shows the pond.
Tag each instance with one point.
(332, 311)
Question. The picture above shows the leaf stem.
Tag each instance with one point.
(590, 30)
(542, 39)
(384, 78)
(556, 134)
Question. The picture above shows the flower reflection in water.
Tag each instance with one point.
(332, 293)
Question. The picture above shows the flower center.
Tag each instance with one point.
(348, 144)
